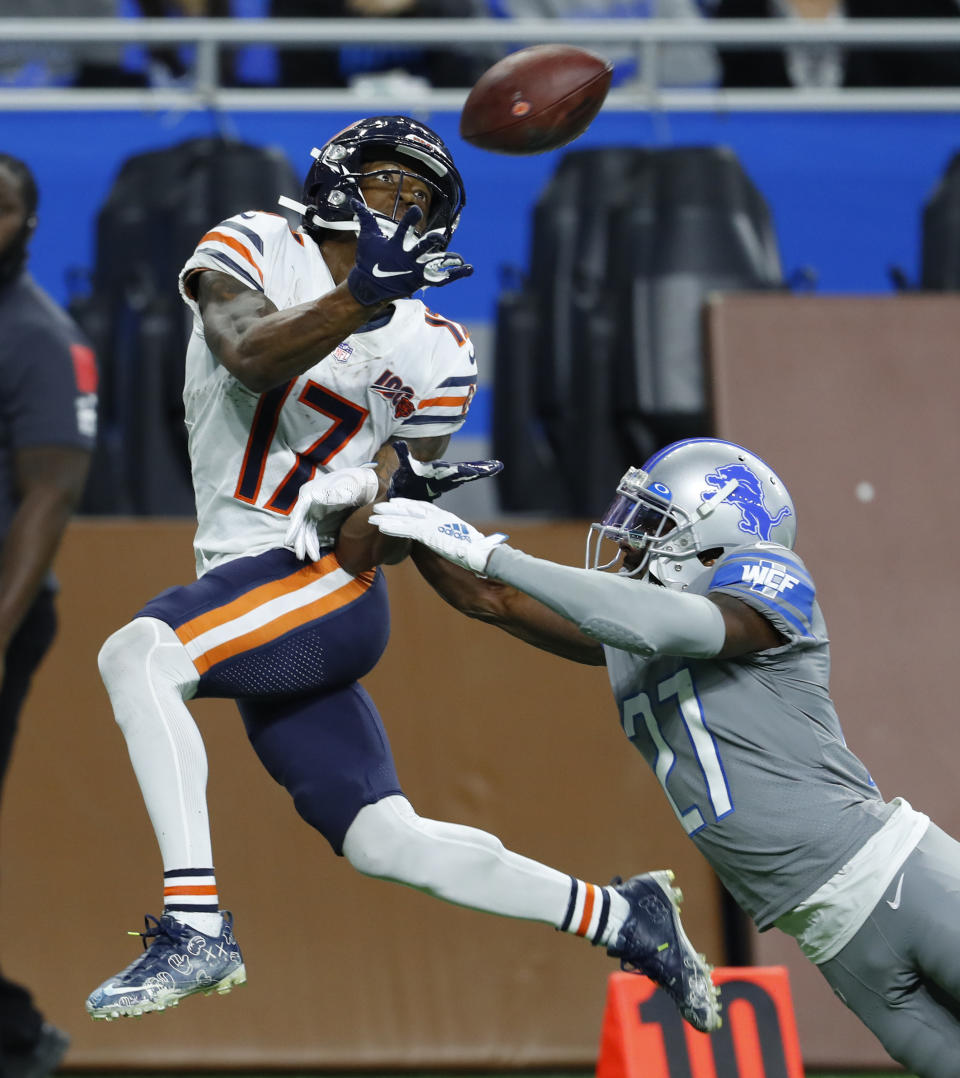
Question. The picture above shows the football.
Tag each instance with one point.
(536, 99)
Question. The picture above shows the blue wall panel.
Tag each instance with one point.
(846, 190)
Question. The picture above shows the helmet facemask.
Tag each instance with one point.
(336, 176)
(644, 515)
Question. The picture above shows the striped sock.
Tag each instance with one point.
(596, 913)
(190, 895)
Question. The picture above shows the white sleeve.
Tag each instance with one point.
(242, 246)
(624, 613)
(443, 405)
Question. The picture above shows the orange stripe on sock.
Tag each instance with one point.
(189, 630)
(588, 902)
(204, 889)
(292, 620)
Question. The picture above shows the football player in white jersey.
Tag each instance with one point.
(314, 386)
(719, 660)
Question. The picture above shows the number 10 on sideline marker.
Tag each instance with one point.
(643, 1035)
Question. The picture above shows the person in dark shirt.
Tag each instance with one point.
(48, 416)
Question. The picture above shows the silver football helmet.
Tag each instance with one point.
(698, 495)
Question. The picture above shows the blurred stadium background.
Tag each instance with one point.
(817, 322)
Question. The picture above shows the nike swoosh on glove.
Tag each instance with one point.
(426, 480)
(394, 267)
(341, 489)
(443, 532)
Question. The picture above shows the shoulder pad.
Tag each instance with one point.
(768, 576)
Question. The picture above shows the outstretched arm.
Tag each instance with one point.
(627, 614)
(506, 607)
(263, 347)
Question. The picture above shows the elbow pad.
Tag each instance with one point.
(665, 623)
(619, 611)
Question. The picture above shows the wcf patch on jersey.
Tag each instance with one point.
(768, 577)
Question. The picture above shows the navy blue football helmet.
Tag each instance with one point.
(334, 178)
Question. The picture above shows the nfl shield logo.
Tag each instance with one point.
(343, 352)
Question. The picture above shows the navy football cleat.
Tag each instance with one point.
(652, 941)
(179, 962)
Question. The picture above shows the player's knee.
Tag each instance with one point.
(378, 841)
(120, 651)
(145, 652)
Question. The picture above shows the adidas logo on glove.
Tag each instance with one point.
(455, 531)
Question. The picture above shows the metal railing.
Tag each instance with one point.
(647, 37)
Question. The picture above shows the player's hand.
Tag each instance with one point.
(443, 532)
(426, 480)
(394, 267)
(341, 489)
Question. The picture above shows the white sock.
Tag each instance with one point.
(596, 913)
(191, 896)
(210, 924)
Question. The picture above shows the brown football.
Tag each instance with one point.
(535, 99)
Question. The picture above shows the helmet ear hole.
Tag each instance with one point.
(708, 557)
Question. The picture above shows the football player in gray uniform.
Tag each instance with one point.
(718, 656)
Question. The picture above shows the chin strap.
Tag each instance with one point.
(708, 505)
(314, 220)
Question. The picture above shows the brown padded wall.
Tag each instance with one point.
(837, 393)
(343, 971)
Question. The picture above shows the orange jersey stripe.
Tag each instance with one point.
(276, 628)
(206, 889)
(236, 245)
(448, 402)
(587, 910)
(189, 630)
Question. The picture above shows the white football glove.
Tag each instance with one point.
(443, 532)
(341, 489)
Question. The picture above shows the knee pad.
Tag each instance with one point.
(146, 653)
(377, 841)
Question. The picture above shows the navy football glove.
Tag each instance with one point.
(425, 481)
(394, 267)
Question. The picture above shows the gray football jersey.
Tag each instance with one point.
(749, 751)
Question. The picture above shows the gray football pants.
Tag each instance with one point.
(900, 974)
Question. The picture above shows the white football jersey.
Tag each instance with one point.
(412, 375)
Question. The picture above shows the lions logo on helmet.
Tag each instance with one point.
(334, 178)
(747, 496)
(663, 510)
